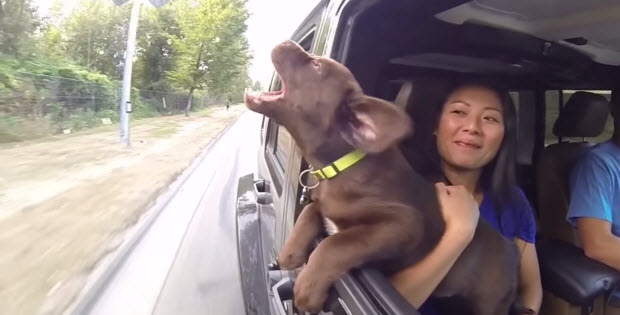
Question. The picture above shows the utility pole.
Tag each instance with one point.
(125, 107)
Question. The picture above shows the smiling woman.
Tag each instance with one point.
(475, 140)
(475, 130)
(471, 128)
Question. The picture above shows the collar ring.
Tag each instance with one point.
(302, 183)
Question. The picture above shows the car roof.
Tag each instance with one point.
(587, 26)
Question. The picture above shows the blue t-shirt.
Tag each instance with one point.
(595, 186)
(517, 222)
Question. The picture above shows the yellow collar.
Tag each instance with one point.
(339, 165)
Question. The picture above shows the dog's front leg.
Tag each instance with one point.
(297, 247)
(339, 253)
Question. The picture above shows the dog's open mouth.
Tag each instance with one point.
(254, 98)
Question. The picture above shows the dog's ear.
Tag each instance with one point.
(374, 125)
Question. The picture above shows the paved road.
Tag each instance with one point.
(186, 263)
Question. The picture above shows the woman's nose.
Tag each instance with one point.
(472, 125)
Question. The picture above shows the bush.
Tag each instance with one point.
(108, 113)
(13, 128)
(83, 119)
(143, 109)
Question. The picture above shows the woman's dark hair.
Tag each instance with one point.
(498, 177)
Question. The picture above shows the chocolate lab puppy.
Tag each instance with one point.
(387, 214)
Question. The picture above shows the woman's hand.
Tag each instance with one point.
(459, 209)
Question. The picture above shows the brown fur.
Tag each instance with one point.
(386, 213)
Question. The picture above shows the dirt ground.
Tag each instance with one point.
(63, 200)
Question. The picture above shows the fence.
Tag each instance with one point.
(35, 105)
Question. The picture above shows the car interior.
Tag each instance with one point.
(560, 60)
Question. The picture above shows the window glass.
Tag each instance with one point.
(283, 146)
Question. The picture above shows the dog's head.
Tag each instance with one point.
(320, 99)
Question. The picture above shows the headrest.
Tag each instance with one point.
(584, 115)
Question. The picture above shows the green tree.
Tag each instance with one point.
(211, 51)
(238, 86)
(96, 35)
(158, 27)
(18, 24)
(53, 41)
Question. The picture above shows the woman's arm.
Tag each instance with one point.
(417, 282)
(460, 211)
(530, 288)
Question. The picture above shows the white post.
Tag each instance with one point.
(131, 48)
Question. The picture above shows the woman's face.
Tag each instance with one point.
(471, 128)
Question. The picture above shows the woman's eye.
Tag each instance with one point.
(458, 112)
(491, 119)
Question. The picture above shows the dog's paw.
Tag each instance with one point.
(290, 260)
(308, 293)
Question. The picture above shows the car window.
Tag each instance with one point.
(275, 166)
(306, 42)
(278, 144)
(278, 139)
(283, 146)
(272, 129)
(554, 100)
